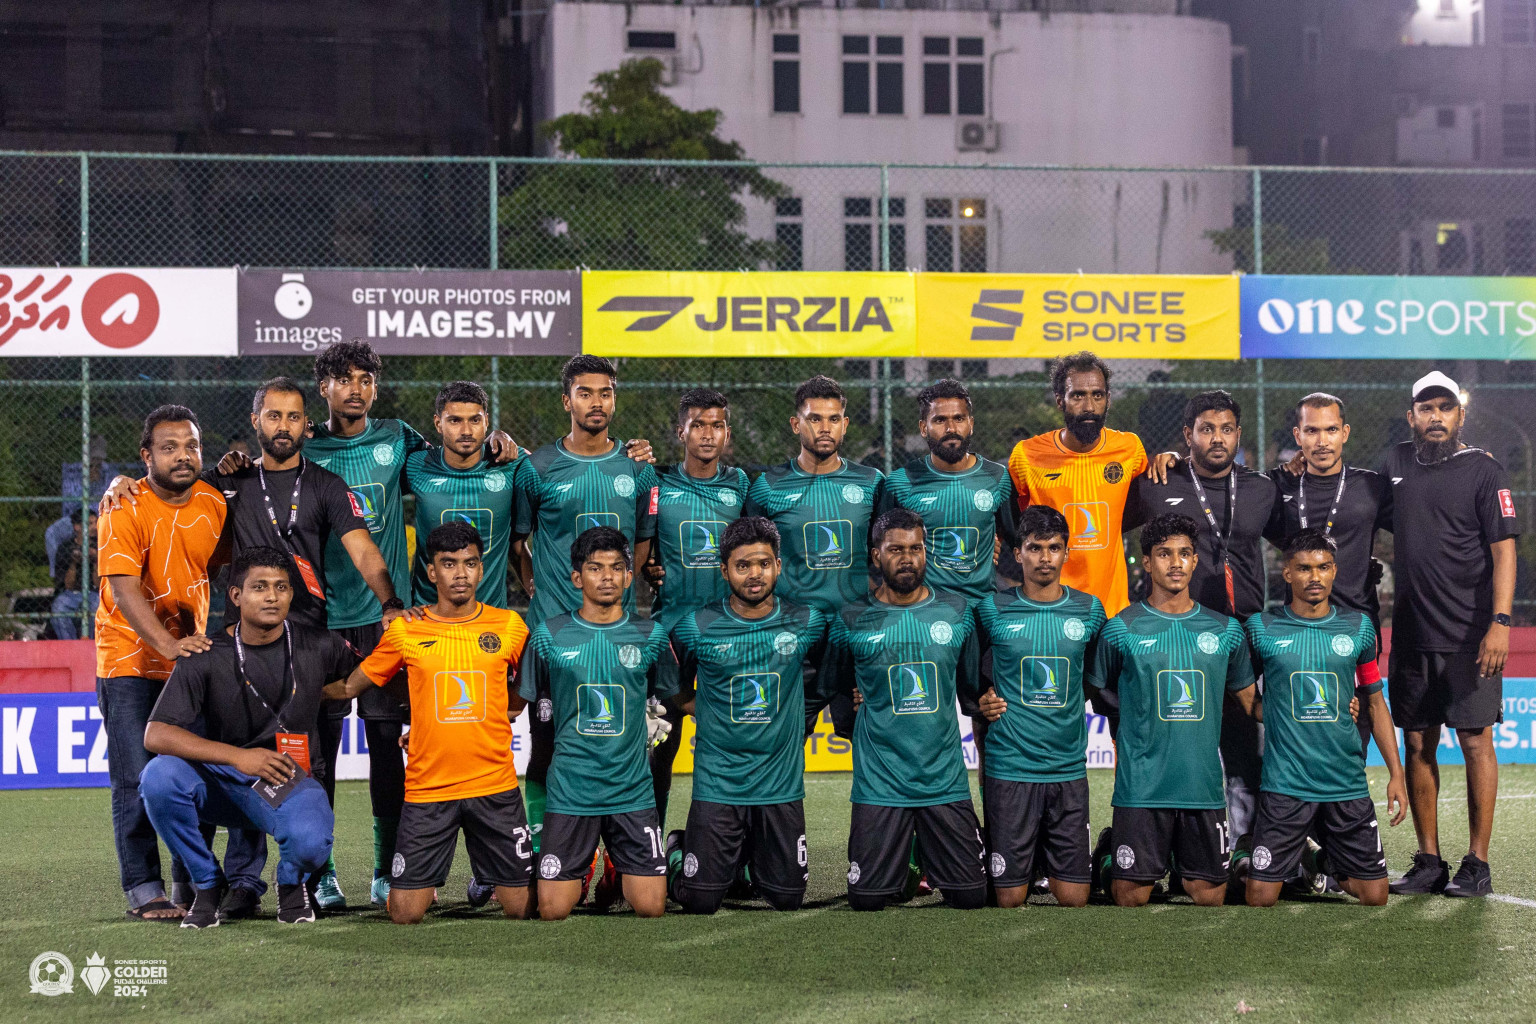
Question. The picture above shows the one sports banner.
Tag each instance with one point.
(1040, 316)
(98, 311)
(1305, 317)
(657, 313)
(407, 312)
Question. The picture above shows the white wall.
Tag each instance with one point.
(1438, 23)
(1423, 142)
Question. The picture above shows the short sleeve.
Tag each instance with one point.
(1006, 515)
(664, 682)
(525, 485)
(120, 543)
(181, 702)
(532, 669)
(1381, 485)
(1239, 660)
(387, 657)
(1018, 469)
(414, 442)
(647, 494)
(341, 509)
(889, 496)
(1496, 505)
(1097, 619)
(757, 493)
(1136, 500)
(1138, 460)
(1103, 669)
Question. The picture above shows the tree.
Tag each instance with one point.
(636, 216)
(1284, 252)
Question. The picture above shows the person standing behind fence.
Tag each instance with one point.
(154, 556)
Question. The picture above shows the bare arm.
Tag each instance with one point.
(523, 562)
(642, 552)
(1493, 652)
(370, 565)
(345, 689)
(1386, 742)
(141, 616)
(1248, 699)
(164, 738)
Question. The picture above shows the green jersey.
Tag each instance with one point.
(1038, 657)
(823, 522)
(749, 699)
(906, 741)
(964, 513)
(1312, 749)
(483, 496)
(372, 464)
(691, 514)
(561, 495)
(599, 677)
(1169, 672)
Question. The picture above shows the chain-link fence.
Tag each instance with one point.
(161, 210)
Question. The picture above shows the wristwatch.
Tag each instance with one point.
(394, 604)
(1500, 619)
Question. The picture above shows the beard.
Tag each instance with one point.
(272, 444)
(164, 481)
(1431, 451)
(1086, 427)
(1204, 460)
(906, 582)
(951, 448)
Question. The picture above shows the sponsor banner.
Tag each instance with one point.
(1119, 316)
(1303, 317)
(407, 312)
(90, 311)
(654, 313)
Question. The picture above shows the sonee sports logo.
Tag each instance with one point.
(757, 313)
(1009, 320)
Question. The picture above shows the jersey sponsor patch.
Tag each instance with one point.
(1089, 523)
(1181, 695)
(1506, 503)
(482, 519)
(655, 499)
(956, 547)
(368, 503)
(384, 454)
(1342, 645)
(828, 544)
(698, 543)
(853, 494)
(490, 643)
(1314, 696)
(460, 696)
(600, 708)
(1043, 681)
(983, 500)
(754, 697)
(914, 688)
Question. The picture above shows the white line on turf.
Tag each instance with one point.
(1513, 900)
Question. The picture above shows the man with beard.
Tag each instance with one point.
(1454, 528)
(906, 641)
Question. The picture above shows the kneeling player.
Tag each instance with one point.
(747, 653)
(905, 642)
(1314, 759)
(600, 664)
(1036, 774)
(459, 658)
(1163, 662)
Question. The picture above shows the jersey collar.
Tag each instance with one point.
(618, 447)
(1196, 610)
(1333, 613)
(1066, 595)
(778, 606)
(1056, 440)
(479, 610)
(945, 474)
(576, 615)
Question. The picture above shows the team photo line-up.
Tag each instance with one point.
(822, 586)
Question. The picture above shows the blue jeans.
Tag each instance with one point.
(181, 795)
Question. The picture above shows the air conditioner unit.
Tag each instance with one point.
(976, 134)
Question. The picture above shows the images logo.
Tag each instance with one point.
(754, 697)
(827, 544)
(914, 688)
(600, 709)
(293, 300)
(1181, 695)
(1314, 697)
(1009, 320)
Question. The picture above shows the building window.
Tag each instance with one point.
(663, 42)
(136, 63)
(855, 75)
(968, 76)
(955, 235)
(1520, 246)
(31, 67)
(1451, 248)
(789, 232)
(1517, 22)
(1311, 45)
(861, 233)
(1518, 138)
(1445, 117)
(786, 74)
(889, 91)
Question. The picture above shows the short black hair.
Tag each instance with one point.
(280, 385)
(1169, 524)
(748, 530)
(819, 386)
(342, 358)
(165, 414)
(258, 557)
(945, 388)
(461, 391)
(897, 518)
(1310, 539)
(1077, 362)
(1211, 401)
(1042, 523)
(1321, 400)
(453, 536)
(702, 398)
(577, 365)
(599, 538)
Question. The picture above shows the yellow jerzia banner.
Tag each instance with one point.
(1118, 316)
(824, 750)
(656, 313)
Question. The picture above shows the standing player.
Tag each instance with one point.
(746, 654)
(905, 642)
(822, 505)
(1314, 762)
(1160, 662)
(460, 657)
(600, 664)
(1035, 786)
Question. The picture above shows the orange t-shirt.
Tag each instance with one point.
(168, 547)
(460, 673)
(1090, 490)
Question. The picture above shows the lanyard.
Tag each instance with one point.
(292, 676)
(1301, 501)
(293, 509)
(1222, 540)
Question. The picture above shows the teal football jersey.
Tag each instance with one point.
(823, 522)
(963, 512)
(691, 514)
(1170, 673)
(484, 496)
(1312, 749)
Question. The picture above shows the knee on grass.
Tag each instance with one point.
(867, 901)
(965, 899)
(784, 900)
(695, 902)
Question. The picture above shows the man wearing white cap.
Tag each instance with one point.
(1453, 520)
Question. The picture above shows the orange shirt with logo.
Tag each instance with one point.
(1090, 489)
(168, 547)
(460, 673)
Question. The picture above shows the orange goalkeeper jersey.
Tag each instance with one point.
(1090, 490)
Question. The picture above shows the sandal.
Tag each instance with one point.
(158, 903)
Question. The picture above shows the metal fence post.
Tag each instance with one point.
(491, 227)
(495, 392)
(885, 217)
(87, 541)
(886, 393)
(1258, 268)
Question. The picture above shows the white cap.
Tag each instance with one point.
(1435, 381)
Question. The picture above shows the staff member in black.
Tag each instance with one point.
(1453, 521)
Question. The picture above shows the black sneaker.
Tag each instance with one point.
(1472, 879)
(1428, 875)
(478, 894)
(293, 904)
(1100, 862)
(238, 903)
(204, 912)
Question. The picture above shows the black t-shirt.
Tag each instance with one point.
(1444, 519)
(1255, 501)
(205, 694)
(325, 507)
(1365, 507)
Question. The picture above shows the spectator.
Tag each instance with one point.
(69, 596)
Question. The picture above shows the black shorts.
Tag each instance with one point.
(380, 703)
(1346, 830)
(634, 840)
(769, 837)
(948, 842)
(1429, 688)
(1023, 817)
(1150, 840)
(495, 834)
